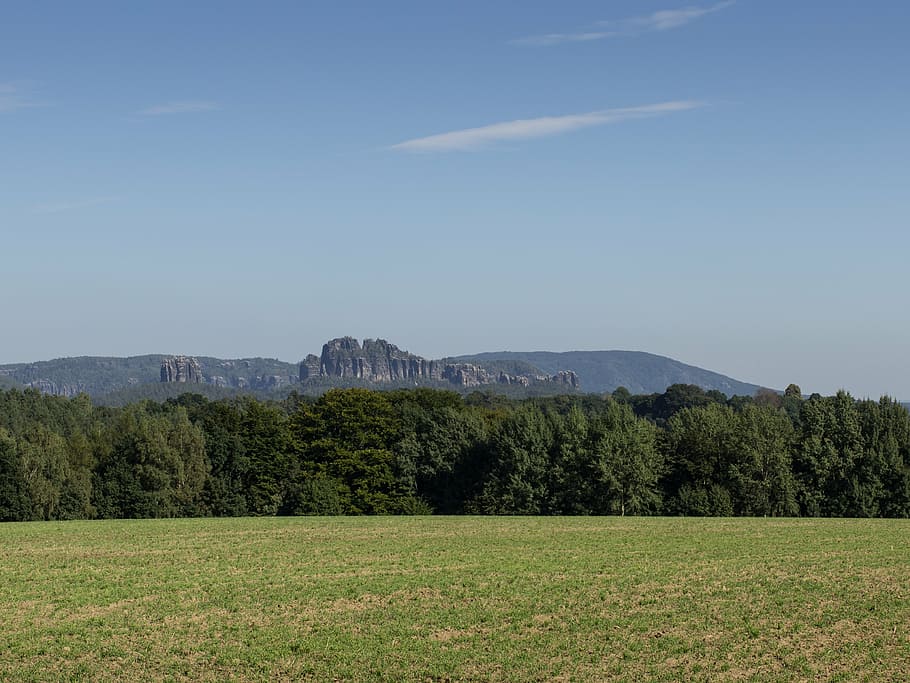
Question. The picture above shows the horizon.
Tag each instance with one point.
(719, 183)
(456, 355)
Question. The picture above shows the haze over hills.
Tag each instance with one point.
(345, 362)
(99, 376)
(8, 383)
(637, 371)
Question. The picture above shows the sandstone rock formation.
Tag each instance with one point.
(181, 369)
(309, 367)
(567, 377)
(379, 361)
(46, 386)
(505, 378)
(376, 361)
(467, 375)
(270, 381)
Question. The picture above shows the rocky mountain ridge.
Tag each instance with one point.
(100, 376)
(376, 361)
(379, 361)
(346, 362)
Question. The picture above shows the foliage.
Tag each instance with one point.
(152, 464)
(419, 451)
(346, 438)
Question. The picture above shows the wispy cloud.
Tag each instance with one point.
(558, 38)
(674, 18)
(183, 107)
(74, 205)
(662, 20)
(13, 98)
(523, 129)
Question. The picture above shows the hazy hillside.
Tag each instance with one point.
(98, 376)
(92, 375)
(121, 380)
(602, 371)
(8, 382)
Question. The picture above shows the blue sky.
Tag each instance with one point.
(725, 183)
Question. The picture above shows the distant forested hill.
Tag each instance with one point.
(8, 382)
(602, 371)
(91, 375)
(99, 376)
(119, 381)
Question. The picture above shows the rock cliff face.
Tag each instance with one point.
(181, 369)
(505, 378)
(567, 377)
(379, 361)
(309, 367)
(47, 386)
(184, 369)
(270, 381)
(376, 361)
(466, 375)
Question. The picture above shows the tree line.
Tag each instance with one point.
(425, 451)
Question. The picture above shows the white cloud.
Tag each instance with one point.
(657, 21)
(522, 129)
(674, 18)
(185, 107)
(12, 98)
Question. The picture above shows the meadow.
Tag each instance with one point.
(456, 599)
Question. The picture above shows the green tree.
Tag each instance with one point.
(153, 465)
(621, 395)
(441, 452)
(346, 437)
(76, 494)
(225, 489)
(266, 443)
(792, 403)
(760, 473)
(881, 479)
(726, 462)
(829, 445)
(44, 466)
(699, 444)
(14, 503)
(628, 465)
(571, 478)
(520, 462)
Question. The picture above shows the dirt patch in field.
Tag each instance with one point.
(101, 611)
(369, 601)
(448, 634)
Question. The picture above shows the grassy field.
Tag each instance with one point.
(456, 599)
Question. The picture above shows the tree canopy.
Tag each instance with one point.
(408, 451)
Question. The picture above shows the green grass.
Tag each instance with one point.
(460, 599)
